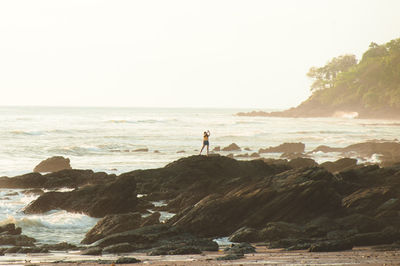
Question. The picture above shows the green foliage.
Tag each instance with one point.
(324, 77)
(373, 83)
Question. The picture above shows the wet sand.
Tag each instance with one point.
(264, 256)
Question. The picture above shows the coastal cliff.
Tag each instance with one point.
(369, 88)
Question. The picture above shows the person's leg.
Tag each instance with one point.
(207, 149)
(201, 149)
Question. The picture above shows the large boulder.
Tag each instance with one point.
(53, 164)
(98, 200)
(294, 196)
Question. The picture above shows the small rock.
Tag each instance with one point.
(232, 147)
(126, 260)
(53, 164)
(241, 248)
(141, 150)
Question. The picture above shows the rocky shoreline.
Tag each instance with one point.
(290, 204)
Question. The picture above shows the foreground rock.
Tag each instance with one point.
(292, 205)
(53, 164)
(292, 196)
(117, 223)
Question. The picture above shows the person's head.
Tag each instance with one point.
(205, 133)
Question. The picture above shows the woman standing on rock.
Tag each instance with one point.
(205, 141)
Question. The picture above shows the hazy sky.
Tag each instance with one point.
(251, 54)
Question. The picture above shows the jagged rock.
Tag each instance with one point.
(141, 150)
(116, 223)
(231, 147)
(217, 148)
(285, 148)
(340, 165)
(53, 164)
(61, 179)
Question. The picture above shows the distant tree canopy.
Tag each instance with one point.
(324, 77)
(372, 83)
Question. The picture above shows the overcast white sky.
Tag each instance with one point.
(252, 54)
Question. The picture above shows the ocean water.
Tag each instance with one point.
(104, 139)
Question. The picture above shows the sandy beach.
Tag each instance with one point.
(264, 256)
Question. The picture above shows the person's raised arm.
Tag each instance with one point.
(208, 131)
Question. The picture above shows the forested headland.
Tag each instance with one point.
(365, 88)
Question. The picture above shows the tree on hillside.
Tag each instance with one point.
(324, 77)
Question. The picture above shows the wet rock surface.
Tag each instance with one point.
(158, 239)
